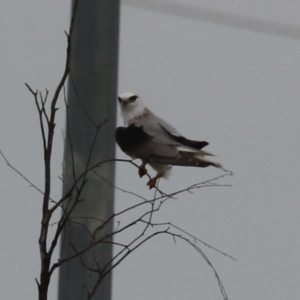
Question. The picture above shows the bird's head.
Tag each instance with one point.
(131, 106)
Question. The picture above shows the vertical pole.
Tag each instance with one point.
(92, 95)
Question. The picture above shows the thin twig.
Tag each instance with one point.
(22, 175)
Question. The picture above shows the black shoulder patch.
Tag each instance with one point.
(131, 137)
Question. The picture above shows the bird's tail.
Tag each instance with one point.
(188, 159)
(201, 161)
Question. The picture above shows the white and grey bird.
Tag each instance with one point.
(155, 141)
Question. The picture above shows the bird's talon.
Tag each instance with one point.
(142, 171)
(152, 183)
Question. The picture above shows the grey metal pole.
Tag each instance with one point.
(92, 95)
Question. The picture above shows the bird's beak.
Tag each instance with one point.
(124, 103)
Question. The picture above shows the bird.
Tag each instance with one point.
(157, 143)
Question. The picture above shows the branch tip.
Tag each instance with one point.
(31, 90)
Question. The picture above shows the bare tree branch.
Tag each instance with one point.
(31, 184)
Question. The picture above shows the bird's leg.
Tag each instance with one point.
(142, 169)
(152, 181)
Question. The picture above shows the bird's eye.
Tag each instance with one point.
(120, 99)
(133, 98)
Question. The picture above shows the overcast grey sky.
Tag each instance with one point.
(238, 89)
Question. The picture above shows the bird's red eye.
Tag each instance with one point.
(133, 98)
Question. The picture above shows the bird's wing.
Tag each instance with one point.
(155, 126)
(188, 145)
(137, 143)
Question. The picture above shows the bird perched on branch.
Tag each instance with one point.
(155, 141)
